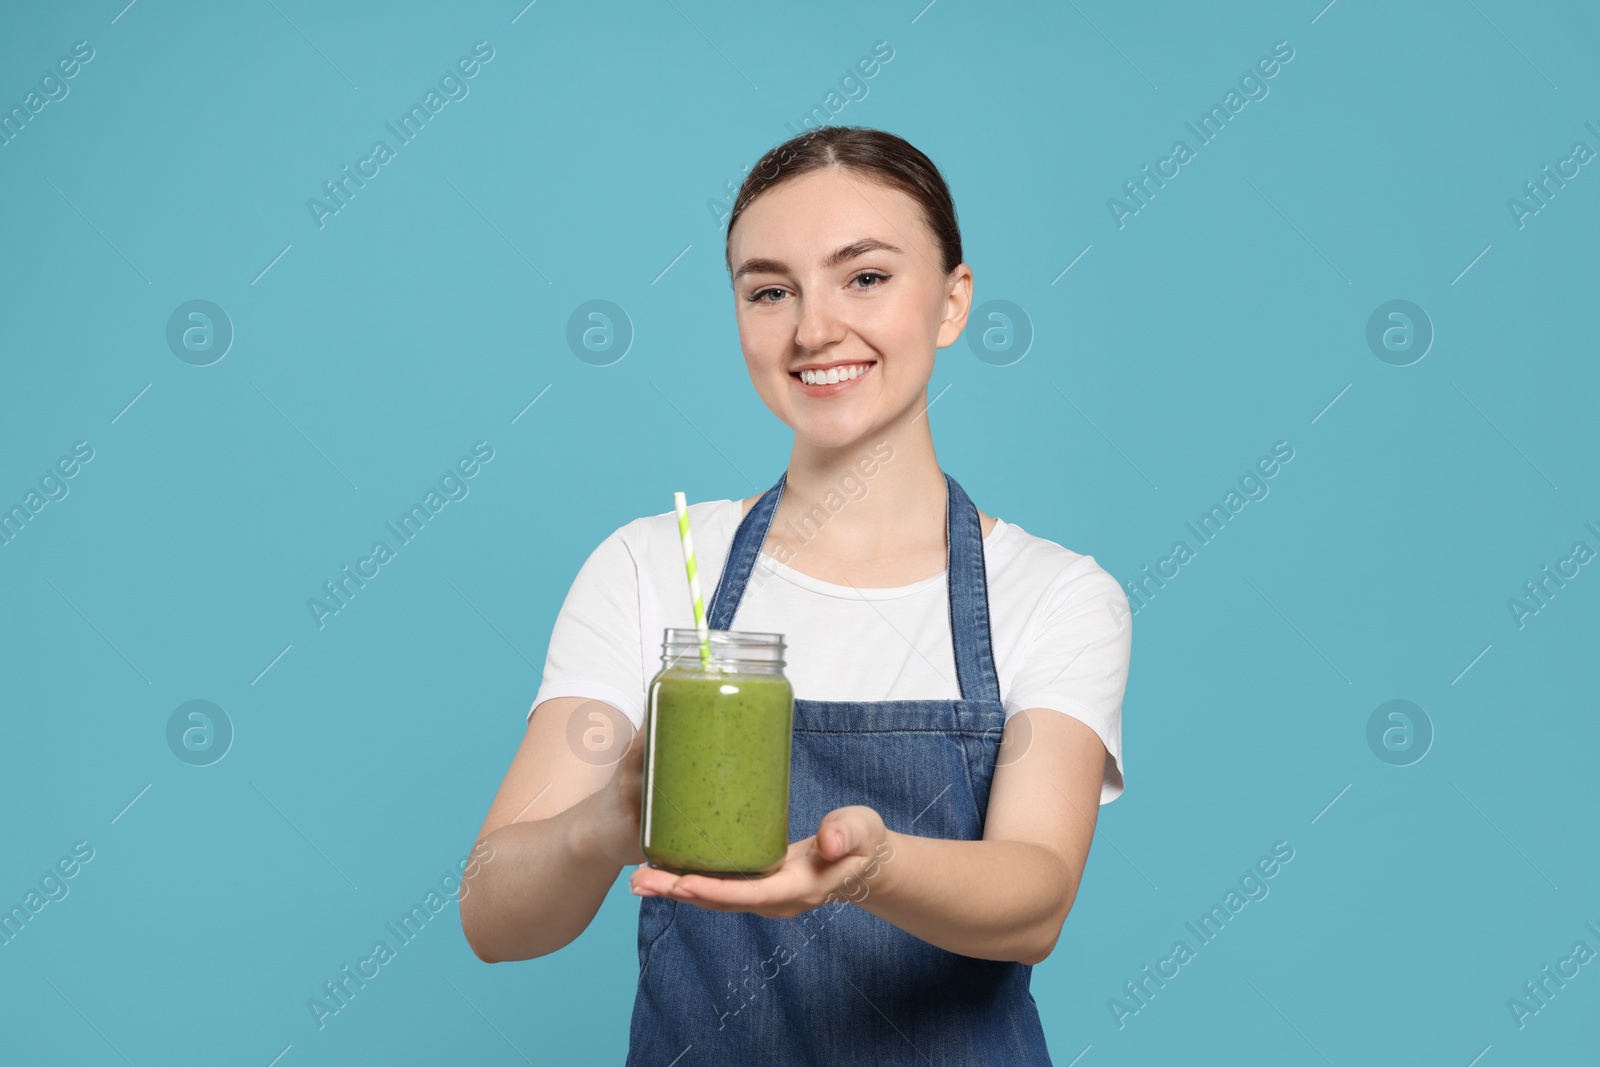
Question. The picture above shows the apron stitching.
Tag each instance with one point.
(972, 793)
(650, 949)
(964, 732)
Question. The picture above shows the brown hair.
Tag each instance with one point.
(879, 156)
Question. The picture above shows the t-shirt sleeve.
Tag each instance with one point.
(1077, 661)
(594, 646)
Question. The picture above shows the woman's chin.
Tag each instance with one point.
(829, 435)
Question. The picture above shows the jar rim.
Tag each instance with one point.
(673, 635)
(730, 650)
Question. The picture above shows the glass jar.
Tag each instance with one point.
(716, 759)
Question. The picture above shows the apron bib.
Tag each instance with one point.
(837, 984)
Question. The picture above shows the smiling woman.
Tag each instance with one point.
(957, 681)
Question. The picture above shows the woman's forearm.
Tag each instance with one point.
(995, 900)
(541, 889)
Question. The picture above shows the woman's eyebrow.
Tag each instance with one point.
(838, 256)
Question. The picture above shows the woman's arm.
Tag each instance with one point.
(562, 828)
(1003, 898)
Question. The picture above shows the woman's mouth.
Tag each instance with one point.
(831, 381)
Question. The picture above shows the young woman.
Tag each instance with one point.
(958, 681)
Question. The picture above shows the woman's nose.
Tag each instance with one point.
(819, 325)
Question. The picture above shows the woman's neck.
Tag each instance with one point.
(871, 514)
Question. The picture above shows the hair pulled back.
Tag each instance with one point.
(878, 156)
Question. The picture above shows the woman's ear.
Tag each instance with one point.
(957, 305)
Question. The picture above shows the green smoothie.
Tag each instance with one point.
(716, 772)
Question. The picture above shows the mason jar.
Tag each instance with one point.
(716, 760)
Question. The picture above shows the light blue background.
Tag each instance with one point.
(1227, 315)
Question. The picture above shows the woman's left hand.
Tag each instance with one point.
(847, 849)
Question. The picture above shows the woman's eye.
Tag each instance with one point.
(755, 297)
(877, 274)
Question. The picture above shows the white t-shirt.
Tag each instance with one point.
(1059, 624)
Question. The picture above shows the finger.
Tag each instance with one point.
(829, 838)
(652, 880)
(692, 887)
(741, 894)
(840, 833)
(793, 878)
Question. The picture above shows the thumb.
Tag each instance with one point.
(837, 834)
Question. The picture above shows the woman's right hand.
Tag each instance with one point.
(563, 823)
(614, 816)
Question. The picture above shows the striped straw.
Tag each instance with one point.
(682, 505)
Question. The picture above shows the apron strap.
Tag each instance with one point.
(967, 583)
(747, 542)
(969, 597)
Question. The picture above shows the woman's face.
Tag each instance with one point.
(833, 270)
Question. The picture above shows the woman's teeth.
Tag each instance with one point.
(833, 374)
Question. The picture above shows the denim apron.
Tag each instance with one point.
(837, 985)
